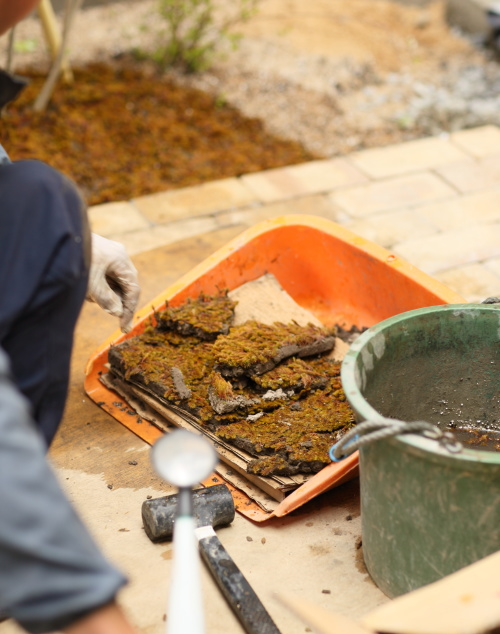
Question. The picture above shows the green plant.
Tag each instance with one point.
(25, 46)
(196, 29)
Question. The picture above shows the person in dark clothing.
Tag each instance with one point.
(53, 576)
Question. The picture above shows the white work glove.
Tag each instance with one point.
(113, 281)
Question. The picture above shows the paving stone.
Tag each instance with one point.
(412, 156)
(479, 208)
(403, 213)
(189, 202)
(147, 239)
(471, 175)
(116, 218)
(302, 180)
(478, 141)
(390, 228)
(475, 282)
(394, 193)
(318, 205)
(452, 249)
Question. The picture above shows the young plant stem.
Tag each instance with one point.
(71, 7)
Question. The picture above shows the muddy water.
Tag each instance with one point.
(456, 393)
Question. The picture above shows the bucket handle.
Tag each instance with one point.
(371, 431)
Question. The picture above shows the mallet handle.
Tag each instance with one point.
(235, 588)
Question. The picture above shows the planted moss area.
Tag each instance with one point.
(287, 418)
(122, 130)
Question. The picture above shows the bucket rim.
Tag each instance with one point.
(367, 412)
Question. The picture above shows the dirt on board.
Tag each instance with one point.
(307, 81)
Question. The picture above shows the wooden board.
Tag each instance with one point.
(465, 602)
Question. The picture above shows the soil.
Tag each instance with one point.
(304, 83)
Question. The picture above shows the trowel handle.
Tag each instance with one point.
(236, 589)
(185, 605)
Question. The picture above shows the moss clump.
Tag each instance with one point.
(223, 397)
(221, 388)
(205, 317)
(269, 465)
(287, 417)
(148, 359)
(301, 431)
(255, 348)
(293, 373)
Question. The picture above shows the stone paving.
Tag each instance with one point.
(435, 202)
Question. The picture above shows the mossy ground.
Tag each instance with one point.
(122, 131)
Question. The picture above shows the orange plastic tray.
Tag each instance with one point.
(339, 276)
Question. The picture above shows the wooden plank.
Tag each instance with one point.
(465, 602)
(323, 621)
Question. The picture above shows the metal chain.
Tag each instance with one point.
(371, 431)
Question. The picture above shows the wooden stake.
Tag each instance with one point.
(71, 8)
(53, 35)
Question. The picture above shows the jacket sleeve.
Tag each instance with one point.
(51, 571)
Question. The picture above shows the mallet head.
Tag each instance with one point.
(212, 506)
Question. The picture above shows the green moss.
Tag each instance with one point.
(222, 388)
(269, 465)
(292, 373)
(148, 359)
(291, 430)
(298, 428)
(255, 344)
(205, 316)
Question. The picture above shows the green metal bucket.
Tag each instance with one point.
(426, 512)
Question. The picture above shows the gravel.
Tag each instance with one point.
(403, 74)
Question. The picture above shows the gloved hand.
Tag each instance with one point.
(113, 281)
